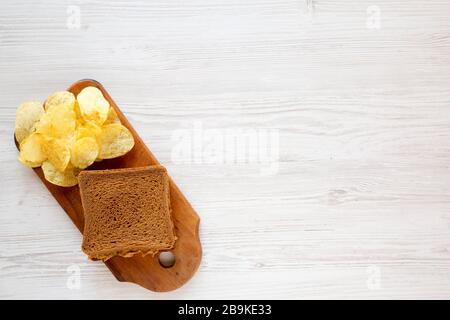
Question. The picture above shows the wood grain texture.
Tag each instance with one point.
(360, 204)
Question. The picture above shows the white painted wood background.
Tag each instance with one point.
(360, 205)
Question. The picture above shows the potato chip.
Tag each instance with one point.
(84, 152)
(93, 106)
(44, 125)
(57, 151)
(31, 152)
(78, 116)
(112, 117)
(57, 122)
(61, 99)
(67, 135)
(27, 116)
(63, 122)
(88, 129)
(114, 141)
(66, 178)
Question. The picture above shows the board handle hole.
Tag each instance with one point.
(166, 259)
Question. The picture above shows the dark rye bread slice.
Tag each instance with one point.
(126, 211)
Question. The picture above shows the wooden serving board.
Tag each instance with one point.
(145, 271)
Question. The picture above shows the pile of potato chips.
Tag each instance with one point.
(67, 134)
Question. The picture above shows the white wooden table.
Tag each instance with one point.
(355, 94)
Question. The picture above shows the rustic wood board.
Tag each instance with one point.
(145, 271)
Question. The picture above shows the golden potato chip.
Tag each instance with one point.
(83, 132)
(57, 151)
(88, 129)
(31, 152)
(61, 99)
(63, 122)
(84, 152)
(57, 122)
(78, 116)
(114, 141)
(93, 106)
(67, 134)
(27, 116)
(112, 117)
(44, 125)
(66, 178)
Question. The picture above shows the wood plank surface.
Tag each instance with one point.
(357, 201)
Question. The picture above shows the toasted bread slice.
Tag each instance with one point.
(126, 211)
